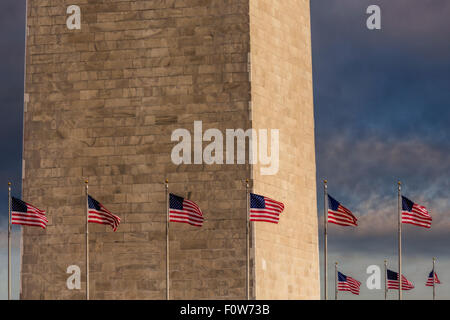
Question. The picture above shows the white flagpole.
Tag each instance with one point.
(336, 280)
(385, 280)
(325, 236)
(400, 240)
(167, 242)
(87, 239)
(9, 240)
(434, 279)
(248, 241)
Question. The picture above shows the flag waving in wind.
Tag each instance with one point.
(432, 279)
(393, 283)
(185, 211)
(340, 215)
(415, 214)
(346, 283)
(99, 214)
(27, 215)
(265, 209)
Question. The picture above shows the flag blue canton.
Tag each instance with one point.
(18, 205)
(176, 202)
(342, 277)
(333, 204)
(391, 275)
(257, 202)
(407, 205)
(93, 204)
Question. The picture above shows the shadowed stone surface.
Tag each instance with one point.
(103, 102)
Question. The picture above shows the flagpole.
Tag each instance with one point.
(434, 279)
(385, 279)
(87, 239)
(400, 240)
(336, 280)
(167, 241)
(9, 240)
(325, 235)
(248, 241)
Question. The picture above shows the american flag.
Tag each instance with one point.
(340, 215)
(431, 278)
(415, 214)
(99, 214)
(27, 215)
(265, 209)
(393, 283)
(185, 211)
(346, 283)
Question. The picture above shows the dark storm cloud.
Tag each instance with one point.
(12, 35)
(362, 166)
(404, 22)
(391, 81)
(382, 97)
(382, 112)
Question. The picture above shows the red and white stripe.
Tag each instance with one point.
(430, 282)
(103, 216)
(350, 285)
(34, 217)
(342, 217)
(191, 214)
(394, 284)
(418, 217)
(271, 212)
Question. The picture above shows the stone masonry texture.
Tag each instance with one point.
(287, 262)
(102, 103)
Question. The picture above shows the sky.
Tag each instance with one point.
(381, 113)
(12, 49)
(381, 102)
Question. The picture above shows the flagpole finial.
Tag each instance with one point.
(9, 183)
(325, 181)
(86, 181)
(167, 180)
(399, 183)
(246, 180)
